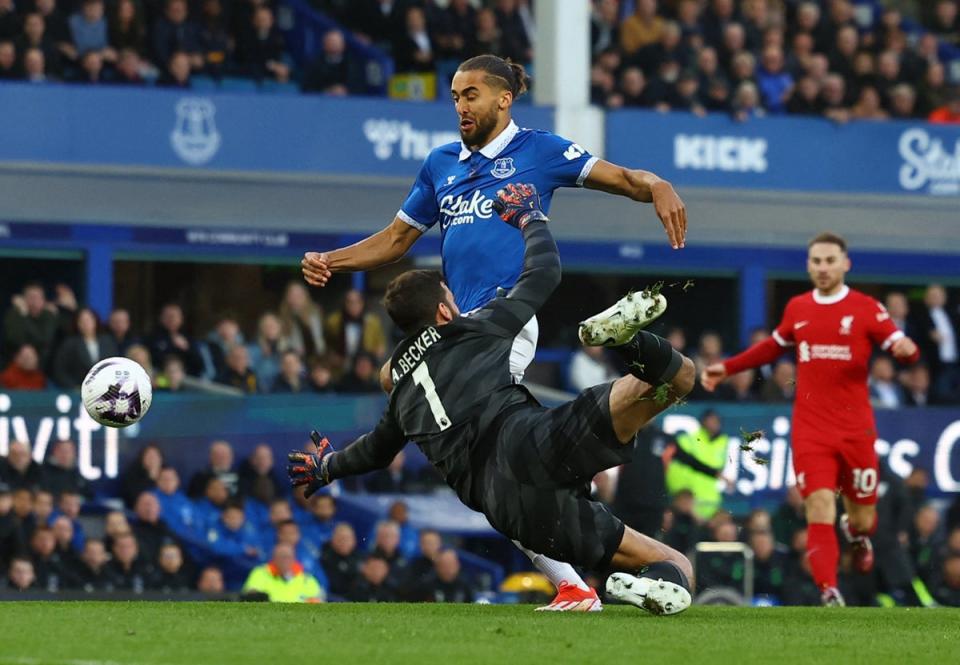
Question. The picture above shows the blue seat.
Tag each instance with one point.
(276, 88)
(203, 83)
(236, 84)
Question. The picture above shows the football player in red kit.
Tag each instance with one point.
(834, 330)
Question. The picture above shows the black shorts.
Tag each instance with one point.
(536, 480)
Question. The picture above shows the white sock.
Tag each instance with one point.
(556, 571)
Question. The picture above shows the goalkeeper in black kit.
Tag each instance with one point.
(525, 467)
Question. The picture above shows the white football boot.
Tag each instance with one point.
(656, 596)
(618, 323)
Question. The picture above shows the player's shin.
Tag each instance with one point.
(823, 553)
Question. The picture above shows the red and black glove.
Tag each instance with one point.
(518, 205)
(310, 469)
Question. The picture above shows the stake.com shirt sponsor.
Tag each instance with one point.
(457, 187)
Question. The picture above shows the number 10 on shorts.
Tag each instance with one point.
(864, 482)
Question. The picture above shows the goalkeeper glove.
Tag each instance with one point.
(518, 205)
(310, 469)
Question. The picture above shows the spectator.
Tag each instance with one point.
(171, 33)
(515, 29)
(353, 329)
(447, 584)
(932, 91)
(115, 525)
(126, 570)
(62, 528)
(374, 584)
(340, 559)
(742, 387)
(140, 355)
(938, 337)
(317, 523)
(948, 591)
(35, 36)
(91, 69)
(30, 319)
(308, 554)
(141, 474)
(291, 378)
(46, 562)
(176, 510)
(11, 542)
(237, 373)
(721, 570)
(320, 379)
(362, 378)
(696, 465)
(413, 50)
(220, 466)
(170, 576)
(69, 505)
(55, 25)
(386, 544)
(375, 21)
(60, 473)
(284, 580)
(233, 536)
(34, 66)
(255, 477)
(642, 28)
(169, 338)
(126, 27)
(19, 470)
(926, 544)
(334, 71)
(884, 391)
(903, 99)
(769, 564)
(782, 385)
(270, 345)
(260, 48)
(488, 38)
(23, 372)
(79, 352)
(916, 385)
(151, 533)
(746, 102)
(790, 517)
(949, 113)
(177, 73)
(868, 105)
(641, 493)
(668, 47)
(833, 98)
(88, 28)
(173, 376)
(686, 95)
(633, 91)
(395, 479)
(944, 23)
(589, 367)
(9, 20)
(21, 505)
(302, 322)
(42, 509)
(90, 573)
(604, 26)
(118, 323)
(420, 570)
(774, 81)
(9, 67)
(454, 33)
(20, 575)
(210, 581)
(215, 41)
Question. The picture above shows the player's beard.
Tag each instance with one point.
(482, 129)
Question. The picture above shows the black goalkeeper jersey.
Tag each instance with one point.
(451, 382)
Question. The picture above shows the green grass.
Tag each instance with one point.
(257, 634)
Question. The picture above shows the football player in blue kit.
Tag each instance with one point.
(456, 188)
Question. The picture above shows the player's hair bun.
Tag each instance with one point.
(520, 78)
(510, 75)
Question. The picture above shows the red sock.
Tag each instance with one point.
(823, 553)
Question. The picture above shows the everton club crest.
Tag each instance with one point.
(195, 138)
(503, 168)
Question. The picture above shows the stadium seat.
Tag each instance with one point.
(203, 83)
(277, 88)
(236, 84)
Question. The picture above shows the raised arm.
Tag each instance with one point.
(646, 187)
(519, 205)
(374, 450)
(381, 248)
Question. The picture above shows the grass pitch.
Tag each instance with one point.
(141, 633)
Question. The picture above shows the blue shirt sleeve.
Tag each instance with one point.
(563, 162)
(420, 209)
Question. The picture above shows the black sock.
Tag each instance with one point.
(650, 358)
(667, 571)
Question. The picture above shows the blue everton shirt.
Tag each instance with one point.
(457, 187)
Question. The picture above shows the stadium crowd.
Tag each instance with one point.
(838, 58)
(301, 348)
(235, 526)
